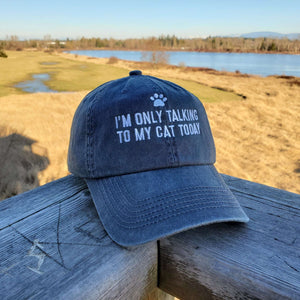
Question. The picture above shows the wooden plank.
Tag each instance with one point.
(258, 260)
(52, 245)
(38, 199)
(245, 187)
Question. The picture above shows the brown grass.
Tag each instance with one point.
(46, 119)
(19, 164)
(257, 138)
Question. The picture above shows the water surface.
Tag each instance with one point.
(250, 63)
(36, 85)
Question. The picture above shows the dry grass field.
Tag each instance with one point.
(257, 137)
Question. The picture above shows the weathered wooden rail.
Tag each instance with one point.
(52, 245)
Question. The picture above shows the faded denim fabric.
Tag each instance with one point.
(146, 151)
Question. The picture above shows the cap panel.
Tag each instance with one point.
(120, 141)
(80, 151)
(194, 141)
(141, 123)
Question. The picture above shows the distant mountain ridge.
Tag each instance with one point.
(271, 34)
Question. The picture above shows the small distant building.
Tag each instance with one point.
(56, 42)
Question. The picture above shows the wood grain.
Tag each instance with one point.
(52, 245)
(258, 260)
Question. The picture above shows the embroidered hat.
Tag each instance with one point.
(146, 151)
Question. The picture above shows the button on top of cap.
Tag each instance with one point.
(135, 72)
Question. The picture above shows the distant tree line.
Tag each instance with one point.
(163, 42)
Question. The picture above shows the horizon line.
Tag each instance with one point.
(237, 35)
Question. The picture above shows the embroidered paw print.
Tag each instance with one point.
(158, 100)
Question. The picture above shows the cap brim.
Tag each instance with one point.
(146, 206)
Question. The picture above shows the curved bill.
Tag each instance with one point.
(146, 206)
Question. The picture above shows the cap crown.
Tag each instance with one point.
(138, 123)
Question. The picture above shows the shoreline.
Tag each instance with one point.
(130, 64)
(148, 64)
(182, 50)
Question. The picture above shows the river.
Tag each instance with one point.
(250, 63)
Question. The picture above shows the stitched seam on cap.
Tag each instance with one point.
(119, 220)
(211, 146)
(169, 141)
(176, 214)
(161, 217)
(170, 208)
(172, 144)
(164, 195)
(171, 158)
(169, 216)
(155, 205)
(92, 154)
(90, 139)
(88, 142)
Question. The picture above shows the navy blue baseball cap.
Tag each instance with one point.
(145, 149)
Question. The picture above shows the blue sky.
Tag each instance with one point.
(138, 18)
